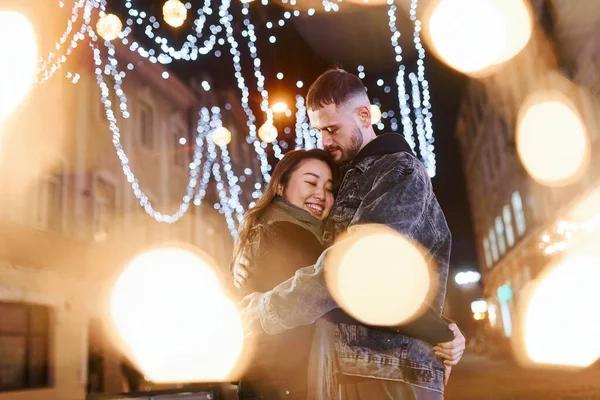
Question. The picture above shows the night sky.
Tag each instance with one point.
(307, 46)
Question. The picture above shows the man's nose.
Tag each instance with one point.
(326, 139)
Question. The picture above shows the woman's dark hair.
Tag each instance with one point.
(280, 178)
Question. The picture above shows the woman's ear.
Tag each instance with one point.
(280, 190)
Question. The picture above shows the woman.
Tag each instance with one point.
(281, 234)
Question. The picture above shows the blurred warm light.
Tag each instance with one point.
(492, 315)
(109, 26)
(479, 306)
(467, 277)
(18, 60)
(174, 13)
(473, 35)
(369, 281)
(478, 316)
(279, 107)
(267, 132)
(564, 305)
(221, 136)
(552, 140)
(175, 319)
(375, 114)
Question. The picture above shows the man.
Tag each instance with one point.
(383, 184)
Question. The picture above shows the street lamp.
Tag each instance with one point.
(467, 278)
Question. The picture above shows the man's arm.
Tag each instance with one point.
(397, 199)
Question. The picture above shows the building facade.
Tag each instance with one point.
(69, 218)
(514, 216)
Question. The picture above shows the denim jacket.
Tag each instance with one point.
(387, 185)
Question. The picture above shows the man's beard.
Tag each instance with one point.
(348, 154)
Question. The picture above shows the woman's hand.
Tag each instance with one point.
(451, 352)
(240, 271)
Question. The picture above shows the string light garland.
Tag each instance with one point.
(217, 162)
(425, 115)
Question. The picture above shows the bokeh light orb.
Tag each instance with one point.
(174, 13)
(378, 276)
(564, 304)
(375, 114)
(473, 35)
(221, 136)
(175, 319)
(18, 60)
(267, 132)
(552, 140)
(279, 107)
(109, 26)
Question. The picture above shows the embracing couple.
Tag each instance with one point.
(309, 347)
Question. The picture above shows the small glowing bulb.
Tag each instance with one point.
(280, 75)
(221, 136)
(267, 133)
(279, 107)
(299, 84)
(174, 13)
(182, 141)
(109, 27)
(165, 75)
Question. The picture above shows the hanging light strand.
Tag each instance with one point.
(189, 51)
(137, 191)
(47, 70)
(260, 78)
(427, 149)
(251, 123)
(400, 78)
(223, 205)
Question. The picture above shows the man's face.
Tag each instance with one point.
(340, 131)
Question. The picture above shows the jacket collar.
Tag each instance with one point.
(387, 143)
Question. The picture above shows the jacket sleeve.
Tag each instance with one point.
(304, 298)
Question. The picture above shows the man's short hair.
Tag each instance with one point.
(334, 86)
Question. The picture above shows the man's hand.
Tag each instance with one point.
(240, 271)
(451, 352)
(250, 314)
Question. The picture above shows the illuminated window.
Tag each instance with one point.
(510, 236)
(517, 204)
(494, 245)
(500, 235)
(486, 249)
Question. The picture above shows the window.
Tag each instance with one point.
(104, 209)
(510, 236)
(493, 245)
(146, 125)
(49, 213)
(517, 204)
(500, 236)
(24, 354)
(486, 249)
(179, 149)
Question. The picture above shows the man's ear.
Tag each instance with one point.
(364, 115)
